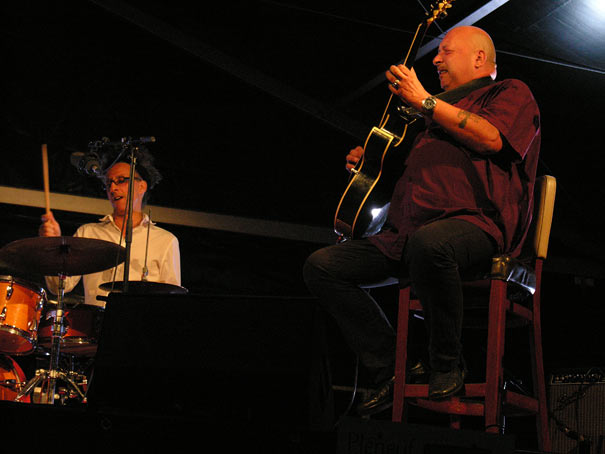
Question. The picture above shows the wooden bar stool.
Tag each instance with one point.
(513, 289)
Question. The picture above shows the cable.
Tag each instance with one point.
(564, 401)
(353, 393)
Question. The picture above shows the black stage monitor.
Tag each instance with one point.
(198, 355)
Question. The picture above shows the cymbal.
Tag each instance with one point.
(144, 287)
(66, 255)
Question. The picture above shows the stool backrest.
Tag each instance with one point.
(544, 205)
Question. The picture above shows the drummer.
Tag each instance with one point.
(151, 245)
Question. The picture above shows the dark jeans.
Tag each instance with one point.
(435, 258)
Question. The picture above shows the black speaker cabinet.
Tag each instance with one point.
(577, 407)
(204, 356)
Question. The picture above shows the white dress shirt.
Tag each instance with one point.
(163, 258)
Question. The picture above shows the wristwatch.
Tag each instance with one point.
(428, 105)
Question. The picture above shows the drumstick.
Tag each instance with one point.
(45, 174)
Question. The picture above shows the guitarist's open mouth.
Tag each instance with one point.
(441, 73)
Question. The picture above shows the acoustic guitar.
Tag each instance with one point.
(363, 207)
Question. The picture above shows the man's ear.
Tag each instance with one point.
(143, 186)
(480, 59)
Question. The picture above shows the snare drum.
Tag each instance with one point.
(20, 307)
(82, 327)
(12, 379)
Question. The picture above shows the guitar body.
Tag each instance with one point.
(363, 208)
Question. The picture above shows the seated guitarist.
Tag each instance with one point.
(465, 196)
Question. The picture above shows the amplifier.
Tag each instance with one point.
(576, 401)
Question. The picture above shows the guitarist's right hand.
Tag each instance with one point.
(353, 158)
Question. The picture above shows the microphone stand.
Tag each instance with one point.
(129, 209)
(131, 145)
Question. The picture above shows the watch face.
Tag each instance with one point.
(429, 103)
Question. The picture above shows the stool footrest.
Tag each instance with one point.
(519, 404)
(452, 406)
(514, 404)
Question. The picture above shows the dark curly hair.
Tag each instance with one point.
(111, 155)
(144, 163)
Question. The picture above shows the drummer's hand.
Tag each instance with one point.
(353, 157)
(49, 226)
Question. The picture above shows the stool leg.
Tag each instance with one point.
(401, 347)
(544, 443)
(495, 352)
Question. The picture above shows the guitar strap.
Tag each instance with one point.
(455, 95)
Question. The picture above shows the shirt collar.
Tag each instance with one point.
(108, 219)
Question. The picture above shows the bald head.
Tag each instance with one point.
(479, 41)
(466, 53)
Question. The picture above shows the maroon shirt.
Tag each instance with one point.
(443, 179)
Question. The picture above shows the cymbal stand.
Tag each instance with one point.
(50, 376)
(129, 146)
(130, 209)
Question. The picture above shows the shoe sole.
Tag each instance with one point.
(375, 410)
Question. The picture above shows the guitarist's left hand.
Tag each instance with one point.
(353, 158)
(404, 83)
(472, 130)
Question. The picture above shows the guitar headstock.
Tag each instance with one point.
(439, 11)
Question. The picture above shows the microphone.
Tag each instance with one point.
(87, 163)
(124, 142)
(139, 141)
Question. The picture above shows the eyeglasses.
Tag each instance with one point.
(118, 182)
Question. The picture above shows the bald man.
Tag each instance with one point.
(464, 196)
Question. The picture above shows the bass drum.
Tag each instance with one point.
(12, 379)
(81, 326)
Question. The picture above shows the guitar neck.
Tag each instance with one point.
(408, 61)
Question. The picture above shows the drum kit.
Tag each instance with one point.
(62, 332)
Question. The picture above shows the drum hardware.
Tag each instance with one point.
(82, 327)
(61, 256)
(44, 384)
(144, 287)
(145, 271)
(78, 369)
(12, 384)
(42, 387)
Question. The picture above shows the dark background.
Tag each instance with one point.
(254, 105)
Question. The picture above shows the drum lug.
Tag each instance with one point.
(3, 314)
(33, 325)
(9, 290)
(40, 304)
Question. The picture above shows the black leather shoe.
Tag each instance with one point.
(418, 373)
(379, 400)
(445, 384)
